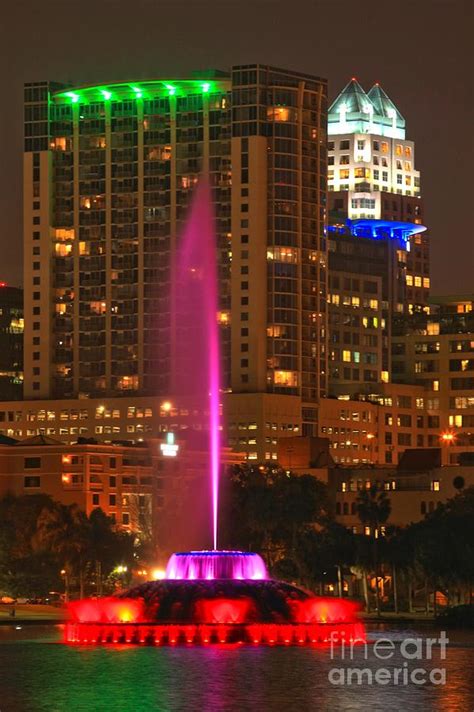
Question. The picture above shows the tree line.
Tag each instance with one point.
(46, 546)
(290, 520)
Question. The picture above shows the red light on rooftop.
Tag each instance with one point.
(353, 79)
(3, 284)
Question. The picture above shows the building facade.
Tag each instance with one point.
(11, 342)
(136, 485)
(412, 494)
(372, 175)
(108, 172)
(437, 353)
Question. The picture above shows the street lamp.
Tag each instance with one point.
(448, 438)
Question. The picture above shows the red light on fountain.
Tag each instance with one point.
(224, 609)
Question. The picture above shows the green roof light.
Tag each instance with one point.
(74, 97)
(205, 87)
(138, 92)
(171, 89)
(106, 94)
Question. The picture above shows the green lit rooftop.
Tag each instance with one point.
(149, 89)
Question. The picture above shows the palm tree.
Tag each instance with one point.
(373, 510)
(65, 531)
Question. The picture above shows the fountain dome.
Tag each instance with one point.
(209, 565)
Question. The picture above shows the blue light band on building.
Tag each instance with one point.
(378, 229)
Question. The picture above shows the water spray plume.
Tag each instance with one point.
(195, 370)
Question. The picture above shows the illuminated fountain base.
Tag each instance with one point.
(214, 597)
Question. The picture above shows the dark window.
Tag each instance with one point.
(112, 500)
(95, 500)
(32, 482)
(31, 463)
(112, 481)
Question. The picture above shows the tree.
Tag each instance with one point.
(444, 544)
(23, 572)
(373, 510)
(64, 530)
(267, 508)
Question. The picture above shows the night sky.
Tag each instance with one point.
(419, 50)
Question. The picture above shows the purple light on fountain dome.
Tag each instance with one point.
(194, 306)
(210, 565)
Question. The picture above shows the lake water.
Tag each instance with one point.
(39, 674)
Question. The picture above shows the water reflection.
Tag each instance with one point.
(39, 675)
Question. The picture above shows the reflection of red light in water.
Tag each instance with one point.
(107, 610)
(224, 610)
(215, 634)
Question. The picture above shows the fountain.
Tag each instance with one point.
(209, 596)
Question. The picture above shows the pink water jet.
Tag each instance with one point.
(195, 373)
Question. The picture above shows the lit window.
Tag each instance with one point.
(407, 151)
(344, 173)
(278, 113)
(59, 143)
(285, 378)
(346, 356)
(62, 250)
(409, 280)
(399, 149)
(435, 485)
(426, 282)
(417, 281)
(223, 317)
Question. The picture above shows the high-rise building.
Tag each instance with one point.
(108, 171)
(378, 250)
(11, 342)
(367, 291)
(372, 175)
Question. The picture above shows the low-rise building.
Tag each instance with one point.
(135, 484)
(415, 487)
